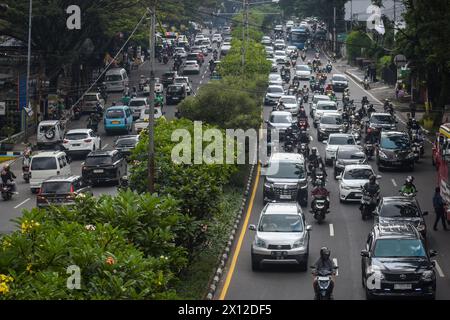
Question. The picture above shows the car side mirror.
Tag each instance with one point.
(339, 178)
(433, 253)
(379, 177)
(266, 121)
(365, 253)
(358, 142)
(308, 228)
(252, 227)
(425, 213)
(325, 142)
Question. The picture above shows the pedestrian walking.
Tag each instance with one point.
(439, 209)
(413, 108)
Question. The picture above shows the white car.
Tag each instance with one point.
(186, 82)
(289, 24)
(280, 46)
(351, 181)
(275, 79)
(81, 141)
(180, 52)
(142, 122)
(316, 98)
(273, 94)
(278, 27)
(199, 36)
(216, 37)
(323, 107)
(136, 105)
(302, 72)
(159, 87)
(334, 141)
(280, 56)
(290, 49)
(269, 50)
(290, 104)
(191, 66)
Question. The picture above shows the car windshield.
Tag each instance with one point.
(331, 120)
(43, 163)
(55, 187)
(168, 74)
(280, 223)
(341, 141)
(339, 78)
(90, 97)
(380, 119)
(274, 77)
(137, 103)
(113, 77)
(114, 114)
(399, 210)
(126, 142)
(326, 107)
(44, 129)
(285, 170)
(391, 248)
(173, 89)
(274, 90)
(280, 118)
(395, 142)
(358, 174)
(321, 99)
(289, 100)
(76, 136)
(98, 160)
(351, 155)
(302, 68)
(180, 80)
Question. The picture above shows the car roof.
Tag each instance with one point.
(331, 114)
(69, 178)
(78, 131)
(400, 199)
(341, 135)
(128, 136)
(322, 96)
(350, 147)
(286, 157)
(396, 231)
(358, 166)
(380, 114)
(326, 102)
(339, 75)
(116, 107)
(276, 86)
(98, 153)
(48, 122)
(393, 133)
(48, 154)
(288, 96)
(282, 208)
(281, 113)
(138, 99)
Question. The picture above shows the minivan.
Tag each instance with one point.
(116, 79)
(118, 118)
(45, 165)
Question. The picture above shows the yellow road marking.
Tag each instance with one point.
(241, 237)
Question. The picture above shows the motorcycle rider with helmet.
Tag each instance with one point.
(320, 191)
(324, 263)
(8, 178)
(371, 188)
(409, 187)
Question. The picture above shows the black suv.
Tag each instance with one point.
(104, 166)
(381, 121)
(61, 190)
(394, 150)
(396, 263)
(126, 144)
(175, 93)
(285, 179)
(168, 77)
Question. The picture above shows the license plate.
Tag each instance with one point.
(285, 196)
(98, 171)
(402, 286)
(358, 194)
(76, 145)
(115, 122)
(279, 255)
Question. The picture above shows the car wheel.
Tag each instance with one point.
(411, 167)
(255, 264)
(369, 296)
(100, 144)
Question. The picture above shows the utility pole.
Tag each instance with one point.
(243, 33)
(30, 19)
(395, 16)
(151, 121)
(351, 15)
(334, 29)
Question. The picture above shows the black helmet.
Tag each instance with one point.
(314, 150)
(372, 179)
(325, 253)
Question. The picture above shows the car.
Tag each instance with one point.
(282, 237)
(47, 164)
(302, 72)
(274, 93)
(278, 27)
(226, 30)
(323, 107)
(275, 79)
(290, 104)
(50, 133)
(116, 79)
(206, 43)
(280, 57)
(285, 178)
(199, 37)
(266, 41)
(339, 82)
(348, 155)
(81, 141)
(159, 87)
(61, 190)
(279, 121)
(274, 66)
(316, 98)
(168, 77)
(186, 82)
(289, 24)
(329, 123)
(137, 105)
(216, 37)
(104, 166)
(175, 93)
(191, 66)
(90, 101)
(381, 121)
(142, 122)
(396, 262)
(352, 179)
(280, 46)
(118, 118)
(225, 48)
(394, 151)
(334, 141)
(401, 209)
(126, 144)
(180, 52)
(269, 49)
(290, 50)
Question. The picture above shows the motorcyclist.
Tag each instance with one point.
(371, 136)
(126, 99)
(159, 100)
(211, 65)
(302, 114)
(93, 121)
(409, 187)
(8, 178)
(413, 125)
(371, 188)
(314, 160)
(324, 263)
(364, 100)
(370, 109)
(320, 191)
(281, 106)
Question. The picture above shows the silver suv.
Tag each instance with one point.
(282, 236)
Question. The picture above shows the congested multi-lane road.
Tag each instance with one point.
(26, 200)
(344, 232)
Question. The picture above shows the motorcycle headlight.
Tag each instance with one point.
(428, 275)
(260, 243)
(298, 244)
(382, 154)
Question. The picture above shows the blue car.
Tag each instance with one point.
(118, 118)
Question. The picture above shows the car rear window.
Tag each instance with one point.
(137, 103)
(174, 89)
(326, 107)
(98, 160)
(331, 120)
(274, 90)
(399, 210)
(115, 114)
(391, 248)
(56, 187)
(90, 97)
(76, 136)
(351, 155)
(43, 163)
(358, 174)
(339, 78)
(341, 141)
(126, 142)
(378, 119)
(113, 77)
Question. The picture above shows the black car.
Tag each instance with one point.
(347, 155)
(329, 123)
(126, 144)
(394, 151)
(339, 82)
(381, 121)
(61, 190)
(401, 210)
(168, 77)
(396, 263)
(175, 93)
(104, 166)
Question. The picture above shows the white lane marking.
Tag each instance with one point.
(331, 230)
(200, 81)
(393, 182)
(203, 76)
(26, 200)
(336, 263)
(104, 147)
(439, 270)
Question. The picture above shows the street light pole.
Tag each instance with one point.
(151, 121)
(243, 35)
(334, 29)
(30, 18)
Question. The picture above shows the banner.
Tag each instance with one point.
(22, 91)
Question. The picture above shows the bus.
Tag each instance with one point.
(298, 37)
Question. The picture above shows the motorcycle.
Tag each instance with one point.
(289, 143)
(304, 150)
(416, 150)
(320, 206)
(6, 191)
(165, 59)
(329, 67)
(389, 109)
(305, 97)
(323, 278)
(366, 84)
(76, 113)
(408, 194)
(26, 173)
(368, 204)
(369, 150)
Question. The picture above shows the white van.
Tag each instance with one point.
(45, 165)
(116, 79)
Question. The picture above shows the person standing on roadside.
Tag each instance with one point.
(439, 209)
(412, 109)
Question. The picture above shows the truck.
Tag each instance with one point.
(298, 37)
(441, 160)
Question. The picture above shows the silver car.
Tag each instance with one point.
(282, 236)
(290, 104)
(280, 121)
